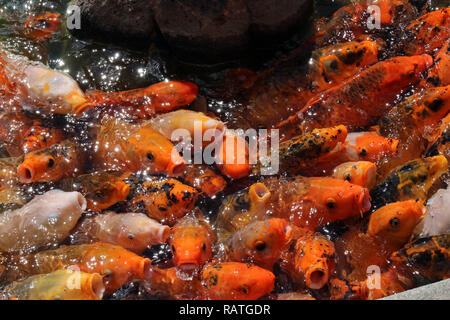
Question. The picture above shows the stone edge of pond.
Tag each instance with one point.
(435, 291)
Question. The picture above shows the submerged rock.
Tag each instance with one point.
(208, 28)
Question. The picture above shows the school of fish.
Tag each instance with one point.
(96, 188)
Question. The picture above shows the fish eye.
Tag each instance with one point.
(260, 245)
(150, 156)
(347, 176)
(331, 203)
(51, 162)
(204, 247)
(394, 222)
(244, 289)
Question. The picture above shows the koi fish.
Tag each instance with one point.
(191, 243)
(389, 228)
(127, 147)
(438, 219)
(361, 173)
(441, 143)
(46, 220)
(361, 100)
(165, 199)
(141, 103)
(204, 179)
(388, 283)
(132, 231)
(428, 32)
(42, 26)
(24, 83)
(286, 88)
(115, 264)
(236, 281)
(40, 137)
(101, 189)
(412, 120)
(260, 242)
(314, 259)
(196, 124)
(233, 159)
(424, 259)
(13, 131)
(350, 22)
(409, 181)
(240, 209)
(298, 154)
(57, 286)
(305, 202)
(63, 160)
(438, 74)
(218, 281)
(30, 83)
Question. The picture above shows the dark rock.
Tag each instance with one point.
(210, 27)
(123, 19)
(195, 29)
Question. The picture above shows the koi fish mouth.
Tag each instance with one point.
(26, 173)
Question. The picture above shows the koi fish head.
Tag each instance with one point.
(338, 62)
(396, 221)
(260, 242)
(340, 199)
(107, 193)
(361, 173)
(50, 164)
(155, 153)
(236, 281)
(191, 244)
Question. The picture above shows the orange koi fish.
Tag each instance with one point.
(305, 202)
(390, 227)
(42, 26)
(363, 99)
(284, 89)
(194, 123)
(191, 243)
(40, 137)
(358, 146)
(441, 142)
(13, 131)
(101, 190)
(314, 259)
(57, 286)
(236, 281)
(412, 120)
(144, 102)
(361, 173)
(261, 242)
(128, 147)
(388, 283)
(428, 33)
(204, 179)
(63, 160)
(438, 75)
(165, 199)
(218, 281)
(350, 22)
(233, 158)
(117, 265)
